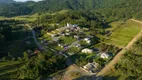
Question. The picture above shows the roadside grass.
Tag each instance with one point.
(47, 37)
(124, 34)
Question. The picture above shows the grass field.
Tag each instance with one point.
(2, 18)
(25, 17)
(124, 34)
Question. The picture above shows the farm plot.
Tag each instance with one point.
(124, 34)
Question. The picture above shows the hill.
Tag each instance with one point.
(6, 1)
(110, 9)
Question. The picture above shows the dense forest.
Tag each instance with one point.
(17, 58)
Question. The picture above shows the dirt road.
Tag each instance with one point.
(118, 56)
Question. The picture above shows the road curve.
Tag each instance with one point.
(35, 39)
(118, 56)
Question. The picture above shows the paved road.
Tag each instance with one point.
(118, 56)
(35, 39)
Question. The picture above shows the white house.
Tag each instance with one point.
(78, 28)
(90, 67)
(67, 34)
(75, 36)
(69, 25)
(104, 55)
(67, 30)
(87, 50)
(87, 40)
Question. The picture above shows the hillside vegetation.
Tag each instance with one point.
(129, 67)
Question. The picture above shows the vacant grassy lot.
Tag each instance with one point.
(124, 33)
(68, 40)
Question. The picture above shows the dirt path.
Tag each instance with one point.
(118, 56)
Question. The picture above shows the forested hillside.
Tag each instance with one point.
(113, 8)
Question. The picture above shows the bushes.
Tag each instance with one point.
(41, 65)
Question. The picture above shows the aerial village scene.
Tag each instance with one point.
(77, 43)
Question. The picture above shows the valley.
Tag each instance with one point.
(70, 40)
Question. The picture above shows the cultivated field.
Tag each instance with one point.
(124, 33)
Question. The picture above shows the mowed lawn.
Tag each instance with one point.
(125, 33)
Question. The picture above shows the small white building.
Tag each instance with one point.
(52, 35)
(87, 40)
(104, 55)
(78, 45)
(62, 34)
(60, 45)
(87, 50)
(75, 25)
(67, 34)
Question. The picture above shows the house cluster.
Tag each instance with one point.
(70, 30)
(93, 67)
(103, 55)
(65, 31)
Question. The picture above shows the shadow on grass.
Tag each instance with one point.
(93, 77)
